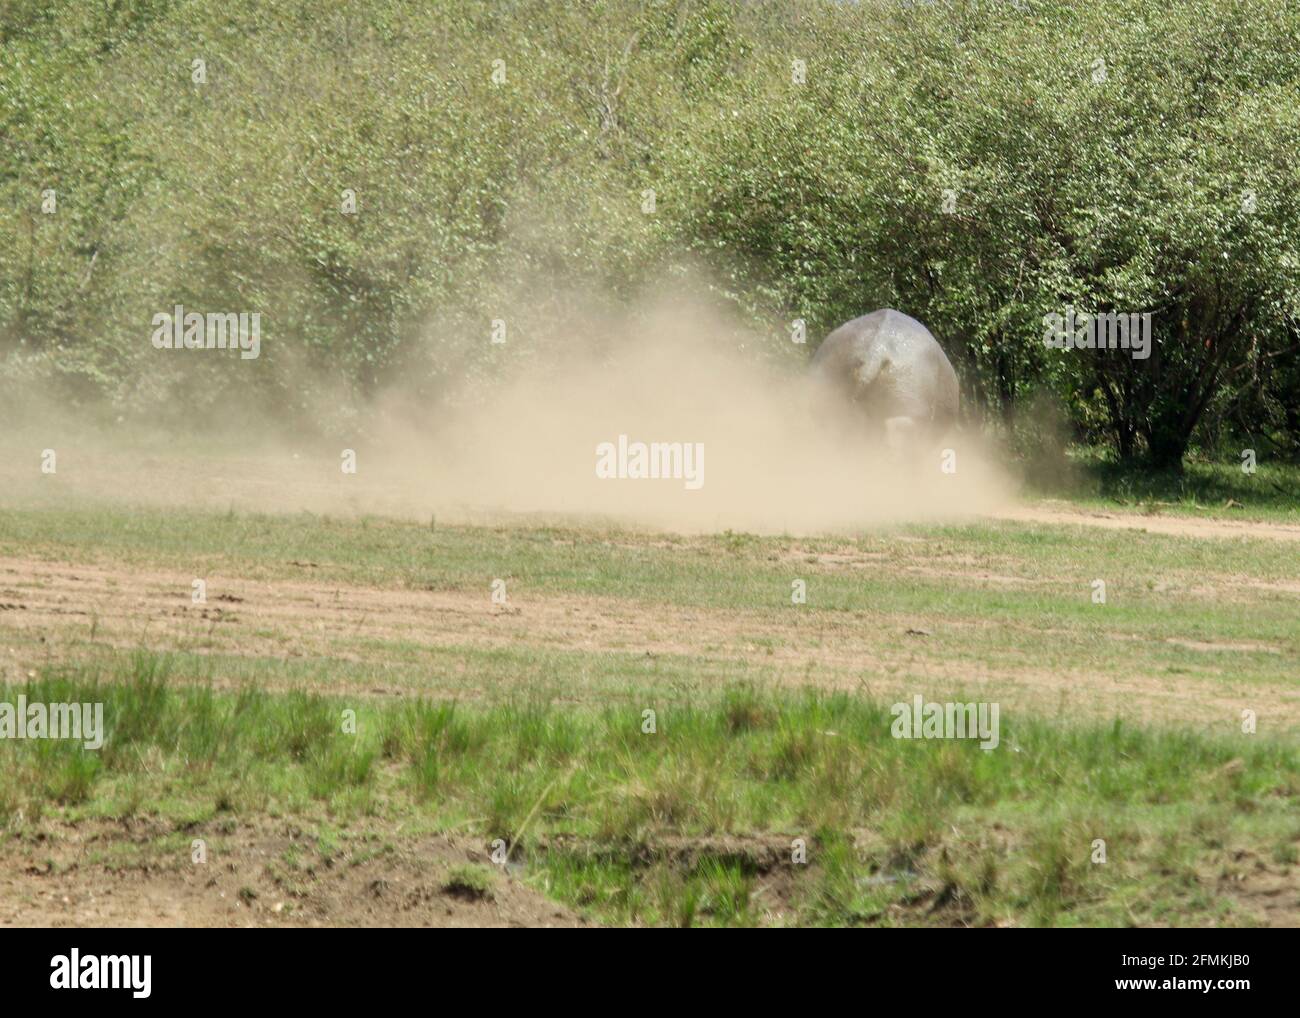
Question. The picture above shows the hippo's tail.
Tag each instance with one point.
(866, 371)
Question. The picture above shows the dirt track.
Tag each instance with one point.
(1174, 526)
(63, 610)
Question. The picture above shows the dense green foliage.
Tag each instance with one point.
(1131, 156)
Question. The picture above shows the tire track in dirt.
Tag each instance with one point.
(1171, 526)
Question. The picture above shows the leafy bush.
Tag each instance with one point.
(979, 165)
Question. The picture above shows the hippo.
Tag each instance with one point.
(891, 367)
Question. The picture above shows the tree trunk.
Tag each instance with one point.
(1166, 447)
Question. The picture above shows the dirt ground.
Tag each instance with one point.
(1174, 526)
(266, 874)
(271, 873)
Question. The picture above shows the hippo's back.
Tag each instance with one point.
(893, 366)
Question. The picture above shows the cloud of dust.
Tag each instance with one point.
(762, 448)
(779, 455)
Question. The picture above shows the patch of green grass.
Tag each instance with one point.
(472, 881)
(1207, 488)
(591, 804)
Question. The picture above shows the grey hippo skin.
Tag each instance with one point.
(895, 371)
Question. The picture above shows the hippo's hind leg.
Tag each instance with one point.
(901, 437)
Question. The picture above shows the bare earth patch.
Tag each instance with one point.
(1174, 526)
(268, 873)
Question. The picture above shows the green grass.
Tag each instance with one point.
(712, 571)
(536, 740)
(1205, 488)
(897, 831)
(471, 880)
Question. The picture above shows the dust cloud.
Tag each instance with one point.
(748, 442)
